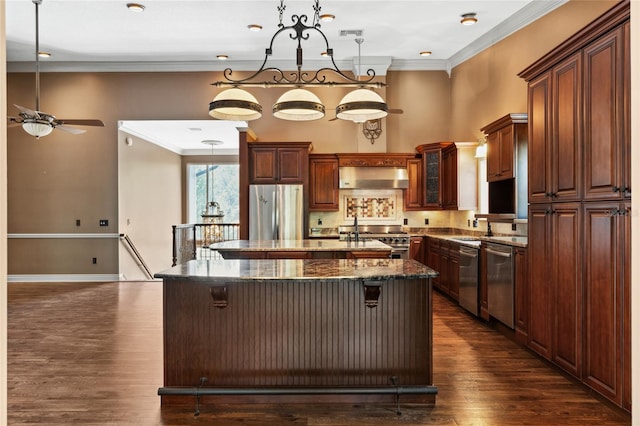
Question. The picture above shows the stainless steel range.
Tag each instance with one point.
(391, 235)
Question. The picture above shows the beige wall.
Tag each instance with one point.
(150, 201)
(487, 86)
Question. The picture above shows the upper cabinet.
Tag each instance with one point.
(284, 163)
(323, 182)
(449, 176)
(503, 137)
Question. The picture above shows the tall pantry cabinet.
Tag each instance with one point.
(579, 205)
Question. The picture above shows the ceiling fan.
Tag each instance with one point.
(38, 123)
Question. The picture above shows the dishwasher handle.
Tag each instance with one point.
(498, 253)
(472, 253)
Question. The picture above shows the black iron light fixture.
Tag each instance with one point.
(298, 104)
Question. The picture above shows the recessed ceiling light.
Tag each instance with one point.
(468, 19)
(425, 53)
(327, 17)
(195, 129)
(44, 54)
(135, 7)
(222, 57)
(254, 27)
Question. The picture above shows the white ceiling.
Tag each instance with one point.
(177, 35)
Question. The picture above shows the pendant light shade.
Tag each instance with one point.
(236, 105)
(37, 129)
(361, 105)
(298, 105)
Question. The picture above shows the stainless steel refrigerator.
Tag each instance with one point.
(276, 212)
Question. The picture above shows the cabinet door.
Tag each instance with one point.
(603, 300)
(450, 178)
(539, 157)
(566, 282)
(432, 179)
(626, 164)
(323, 184)
(521, 295)
(603, 120)
(507, 149)
(433, 260)
(413, 194)
(444, 267)
(493, 157)
(291, 165)
(416, 249)
(566, 138)
(539, 336)
(626, 307)
(454, 271)
(262, 166)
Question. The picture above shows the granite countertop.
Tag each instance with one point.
(512, 240)
(300, 245)
(295, 269)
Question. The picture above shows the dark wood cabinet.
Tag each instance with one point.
(503, 136)
(454, 271)
(603, 122)
(606, 227)
(433, 259)
(555, 101)
(555, 290)
(432, 174)
(579, 224)
(323, 183)
(449, 176)
(278, 163)
(414, 193)
(417, 249)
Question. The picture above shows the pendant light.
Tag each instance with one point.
(361, 104)
(298, 105)
(235, 104)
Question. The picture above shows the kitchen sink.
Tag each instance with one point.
(465, 238)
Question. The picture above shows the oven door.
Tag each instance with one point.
(400, 253)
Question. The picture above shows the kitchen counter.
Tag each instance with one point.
(301, 249)
(297, 245)
(297, 331)
(475, 240)
(296, 269)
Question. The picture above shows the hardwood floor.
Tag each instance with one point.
(91, 354)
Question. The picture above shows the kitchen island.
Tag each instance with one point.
(297, 331)
(302, 249)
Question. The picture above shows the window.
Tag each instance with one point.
(224, 188)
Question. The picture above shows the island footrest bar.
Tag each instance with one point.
(387, 390)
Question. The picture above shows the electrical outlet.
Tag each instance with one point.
(468, 222)
(406, 221)
(319, 221)
(77, 222)
(104, 222)
(475, 223)
(94, 260)
(513, 227)
(426, 221)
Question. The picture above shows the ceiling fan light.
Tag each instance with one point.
(298, 105)
(361, 105)
(235, 105)
(37, 129)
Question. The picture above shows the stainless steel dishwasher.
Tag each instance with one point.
(468, 297)
(500, 283)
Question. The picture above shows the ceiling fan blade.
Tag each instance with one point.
(71, 130)
(81, 122)
(27, 111)
(395, 111)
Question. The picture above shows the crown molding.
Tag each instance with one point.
(525, 16)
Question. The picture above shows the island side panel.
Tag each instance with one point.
(309, 333)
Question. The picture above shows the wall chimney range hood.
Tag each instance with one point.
(373, 178)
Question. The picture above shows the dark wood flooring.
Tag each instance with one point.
(91, 354)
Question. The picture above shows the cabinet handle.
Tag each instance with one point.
(616, 189)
